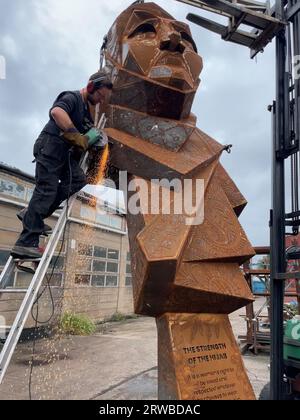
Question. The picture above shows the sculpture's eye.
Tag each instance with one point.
(144, 29)
(188, 39)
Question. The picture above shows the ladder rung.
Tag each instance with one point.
(5, 327)
(13, 291)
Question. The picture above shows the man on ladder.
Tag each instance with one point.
(57, 151)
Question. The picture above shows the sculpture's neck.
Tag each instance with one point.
(170, 134)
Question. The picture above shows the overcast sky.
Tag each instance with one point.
(53, 45)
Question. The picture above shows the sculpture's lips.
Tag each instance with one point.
(172, 75)
(160, 71)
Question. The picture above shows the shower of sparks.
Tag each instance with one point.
(52, 364)
(102, 167)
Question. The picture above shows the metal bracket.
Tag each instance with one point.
(253, 14)
(286, 276)
(285, 153)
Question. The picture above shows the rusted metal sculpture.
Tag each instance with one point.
(186, 275)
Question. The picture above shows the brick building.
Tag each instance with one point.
(90, 273)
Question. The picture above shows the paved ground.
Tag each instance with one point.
(117, 364)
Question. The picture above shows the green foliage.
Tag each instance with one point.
(289, 311)
(76, 324)
(117, 317)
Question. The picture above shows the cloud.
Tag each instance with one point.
(10, 48)
(53, 45)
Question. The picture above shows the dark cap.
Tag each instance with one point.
(101, 79)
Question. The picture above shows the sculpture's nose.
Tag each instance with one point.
(172, 42)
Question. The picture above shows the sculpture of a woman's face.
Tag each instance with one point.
(157, 56)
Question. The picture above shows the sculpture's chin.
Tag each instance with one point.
(176, 83)
(152, 97)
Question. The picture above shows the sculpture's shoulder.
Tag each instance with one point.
(201, 137)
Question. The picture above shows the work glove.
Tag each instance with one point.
(76, 139)
(96, 137)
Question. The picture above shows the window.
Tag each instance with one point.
(97, 266)
(15, 189)
(111, 281)
(84, 249)
(87, 213)
(54, 272)
(128, 281)
(82, 279)
(102, 217)
(57, 263)
(112, 267)
(55, 280)
(4, 255)
(100, 252)
(98, 281)
(84, 264)
(22, 280)
(12, 189)
(113, 254)
(116, 222)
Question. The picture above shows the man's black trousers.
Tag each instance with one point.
(53, 184)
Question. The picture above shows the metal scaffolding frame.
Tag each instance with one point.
(285, 146)
(282, 22)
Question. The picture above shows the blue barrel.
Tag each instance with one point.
(258, 286)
